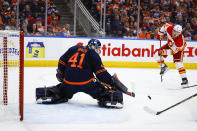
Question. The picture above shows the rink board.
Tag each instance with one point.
(123, 53)
(111, 64)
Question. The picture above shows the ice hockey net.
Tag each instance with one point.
(11, 74)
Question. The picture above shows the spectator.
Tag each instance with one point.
(194, 27)
(31, 21)
(52, 8)
(66, 30)
(126, 27)
(145, 24)
(51, 18)
(5, 12)
(1, 21)
(54, 29)
(144, 34)
(130, 34)
(187, 35)
(22, 5)
(11, 24)
(124, 16)
(34, 7)
(24, 24)
(187, 27)
(116, 25)
(180, 21)
(38, 28)
(153, 13)
(27, 11)
(42, 12)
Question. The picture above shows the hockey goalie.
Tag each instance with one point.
(80, 69)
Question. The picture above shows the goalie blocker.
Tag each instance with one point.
(107, 96)
(119, 85)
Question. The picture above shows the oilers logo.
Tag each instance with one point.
(35, 50)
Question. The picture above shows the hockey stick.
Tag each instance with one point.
(151, 111)
(189, 86)
(160, 64)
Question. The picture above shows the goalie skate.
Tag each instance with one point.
(44, 100)
(111, 104)
(50, 100)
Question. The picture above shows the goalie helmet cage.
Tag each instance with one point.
(12, 74)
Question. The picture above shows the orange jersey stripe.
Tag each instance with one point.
(78, 83)
(99, 71)
(61, 62)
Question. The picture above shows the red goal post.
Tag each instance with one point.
(12, 74)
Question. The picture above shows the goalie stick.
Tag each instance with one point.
(151, 111)
(119, 85)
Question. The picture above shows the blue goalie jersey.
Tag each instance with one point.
(80, 65)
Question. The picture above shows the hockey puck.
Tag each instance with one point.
(149, 97)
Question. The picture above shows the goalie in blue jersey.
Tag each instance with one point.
(80, 69)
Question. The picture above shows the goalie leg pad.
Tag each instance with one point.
(49, 95)
(42, 92)
(51, 100)
(112, 99)
(47, 92)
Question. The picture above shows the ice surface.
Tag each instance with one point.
(82, 113)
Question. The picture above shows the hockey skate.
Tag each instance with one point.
(184, 82)
(164, 70)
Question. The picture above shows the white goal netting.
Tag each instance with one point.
(11, 93)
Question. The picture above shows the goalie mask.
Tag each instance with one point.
(94, 44)
(176, 31)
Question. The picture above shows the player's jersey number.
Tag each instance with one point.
(75, 63)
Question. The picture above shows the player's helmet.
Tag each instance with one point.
(176, 31)
(94, 44)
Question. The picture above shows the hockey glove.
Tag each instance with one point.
(120, 86)
(159, 37)
(174, 48)
(163, 52)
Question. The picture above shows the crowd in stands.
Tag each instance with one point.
(122, 16)
(32, 17)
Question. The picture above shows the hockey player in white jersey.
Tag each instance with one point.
(175, 46)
